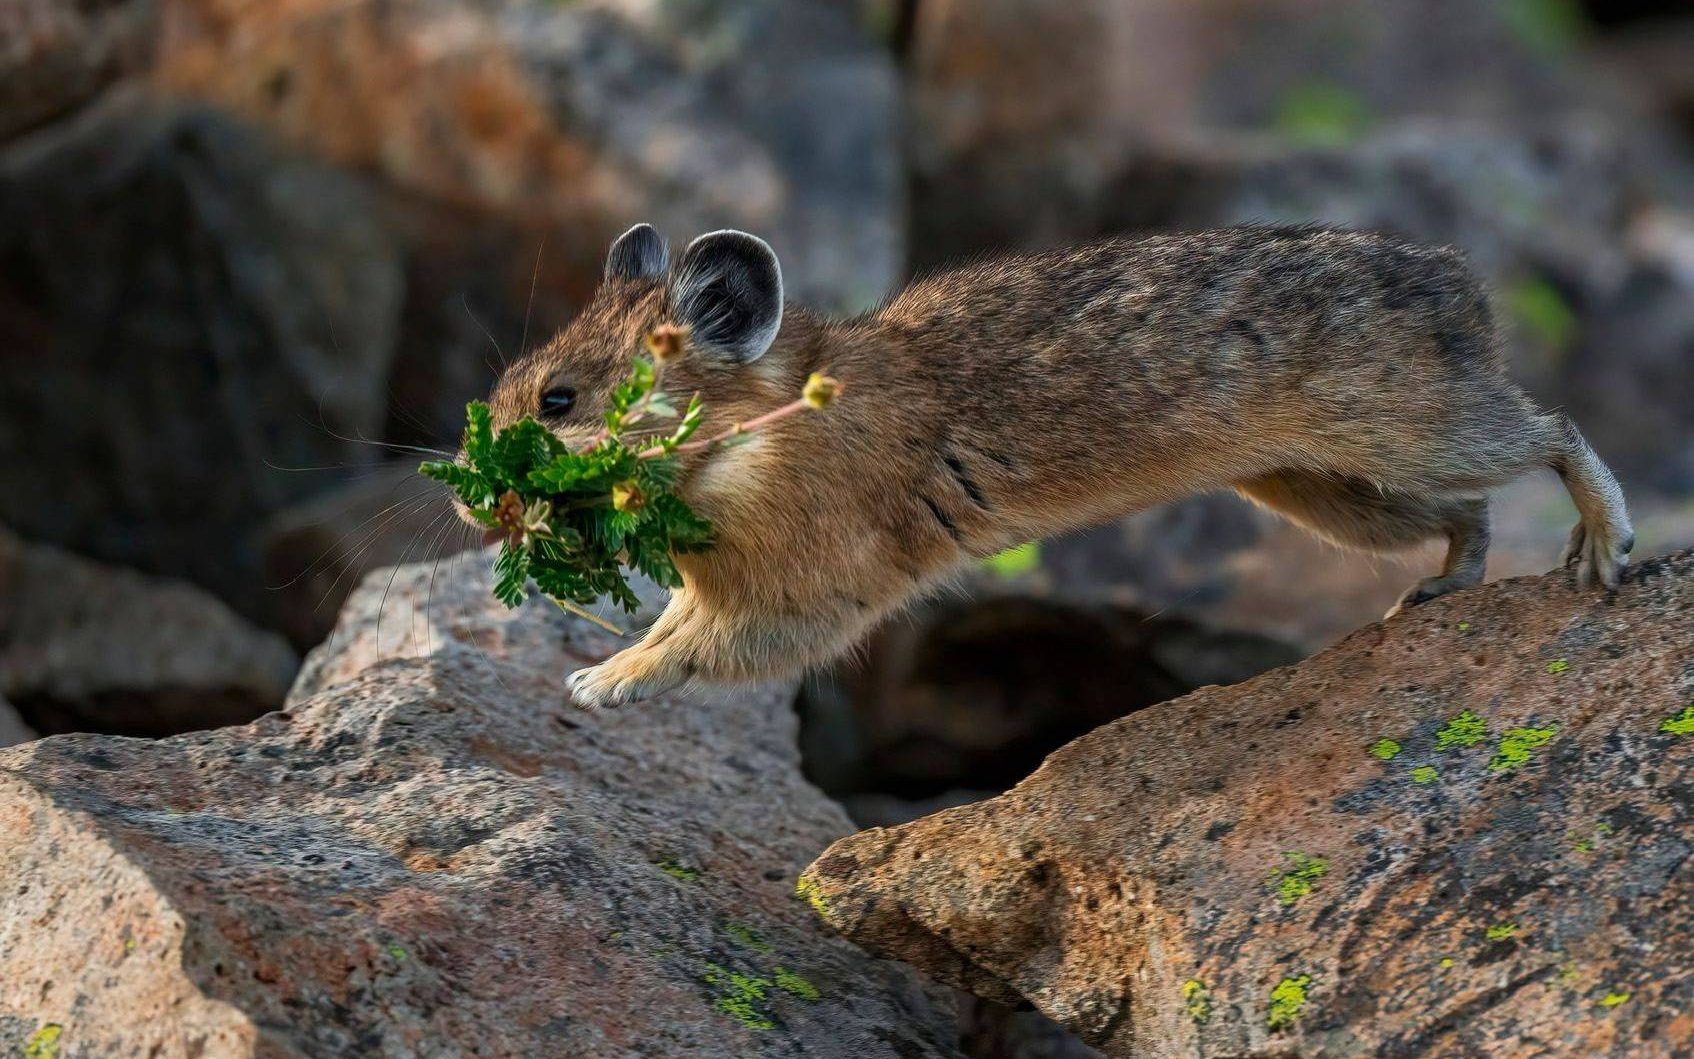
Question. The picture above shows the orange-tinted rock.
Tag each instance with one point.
(1463, 832)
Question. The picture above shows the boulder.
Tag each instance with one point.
(430, 852)
(194, 323)
(1461, 832)
(89, 647)
(56, 56)
(13, 729)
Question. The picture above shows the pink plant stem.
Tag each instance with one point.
(756, 423)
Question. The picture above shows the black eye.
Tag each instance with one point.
(558, 401)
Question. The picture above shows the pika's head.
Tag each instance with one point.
(725, 289)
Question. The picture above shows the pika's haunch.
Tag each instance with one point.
(1347, 380)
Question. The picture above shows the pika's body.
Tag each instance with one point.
(1347, 380)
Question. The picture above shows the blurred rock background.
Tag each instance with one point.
(256, 254)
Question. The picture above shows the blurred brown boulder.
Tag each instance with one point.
(55, 56)
(1461, 832)
(89, 647)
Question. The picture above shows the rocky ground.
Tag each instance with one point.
(1465, 831)
(427, 852)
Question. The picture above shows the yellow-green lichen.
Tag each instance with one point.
(1557, 666)
(1465, 730)
(797, 985)
(1425, 774)
(1614, 998)
(678, 870)
(1581, 843)
(1385, 749)
(1446, 962)
(1501, 931)
(1463, 626)
(747, 936)
(1516, 746)
(395, 950)
(1197, 1000)
(1569, 971)
(1015, 561)
(1295, 881)
(44, 1042)
(808, 890)
(740, 996)
(1680, 724)
(1287, 1001)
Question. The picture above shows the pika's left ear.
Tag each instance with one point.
(727, 288)
(639, 253)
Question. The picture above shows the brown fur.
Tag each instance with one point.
(1347, 380)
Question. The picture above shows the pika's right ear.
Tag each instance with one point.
(727, 287)
(639, 253)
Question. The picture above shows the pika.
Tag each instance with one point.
(1347, 380)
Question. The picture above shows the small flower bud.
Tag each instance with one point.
(820, 390)
(626, 496)
(509, 515)
(665, 342)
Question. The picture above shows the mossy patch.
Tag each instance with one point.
(1465, 730)
(1424, 775)
(1501, 931)
(1385, 749)
(44, 1042)
(808, 890)
(740, 996)
(1197, 1000)
(1679, 724)
(1557, 666)
(1541, 311)
(678, 870)
(1287, 1001)
(396, 951)
(1463, 626)
(1614, 998)
(1296, 880)
(1446, 962)
(1518, 745)
(747, 936)
(795, 984)
(1323, 114)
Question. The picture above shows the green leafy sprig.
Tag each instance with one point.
(572, 519)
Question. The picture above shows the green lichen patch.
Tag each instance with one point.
(1501, 931)
(1557, 666)
(396, 951)
(795, 984)
(677, 870)
(1613, 998)
(808, 890)
(1517, 745)
(740, 996)
(1569, 971)
(1679, 724)
(747, 936)
(1463, 626)
(1197, 1000)
(1385, 749)
(44, 1042)
(1465, 730)
(1446, 962)
(1425, 775)
(1296, 880)
(1287, 1002)
(1581, 843)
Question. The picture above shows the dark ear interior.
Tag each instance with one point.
(727, 288)
(639, 253)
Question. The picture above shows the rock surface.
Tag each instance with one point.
(89, 647)
(13, 730)
(1463, 832)
(428, 853)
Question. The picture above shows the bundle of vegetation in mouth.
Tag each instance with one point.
(572, 520)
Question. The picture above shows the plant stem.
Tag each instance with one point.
(571, 608)
(756, 423)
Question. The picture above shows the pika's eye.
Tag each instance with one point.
(558, 401)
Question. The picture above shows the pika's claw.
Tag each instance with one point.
(613, 683)
(1599, 557)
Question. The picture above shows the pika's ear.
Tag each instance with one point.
(639, 253)
(727, 288)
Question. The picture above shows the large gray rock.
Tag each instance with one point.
(89, 647)
(430, 853)
(190, 318)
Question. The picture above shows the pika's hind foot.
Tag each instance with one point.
(1430, 588)
(1599, 557)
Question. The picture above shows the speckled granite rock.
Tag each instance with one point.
(428, 853)
(1463, 832)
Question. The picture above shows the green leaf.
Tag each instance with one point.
(511, 575)
(479, 432)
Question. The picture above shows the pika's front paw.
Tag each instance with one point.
(615, 682)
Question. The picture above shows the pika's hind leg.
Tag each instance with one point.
(1356, 514)
(1602, 539)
